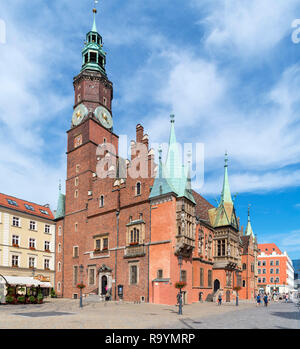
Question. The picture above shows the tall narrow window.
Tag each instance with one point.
(133, 274)
(209, 278)
(15, 261)
(183, 275)
(75, 275)
(101, 201)
(138, 188)
(31, 262)
(201, 277)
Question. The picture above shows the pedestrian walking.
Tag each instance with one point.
(258, 300)
(220, 299)
(266, 300)
(286, 298)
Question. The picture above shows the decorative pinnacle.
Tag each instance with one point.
(172, 117)
(59, 187)
(160, 151)
(226, 159)
(249, 212)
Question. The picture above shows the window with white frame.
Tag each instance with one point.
(15, 260)
(47, 245)
(47, 228)
(46, 263)
(16, 222)
(32, 225)
(31, 262)
(31, 243)
(15, 240)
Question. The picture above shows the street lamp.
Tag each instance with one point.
(180, 293)
(81, 267)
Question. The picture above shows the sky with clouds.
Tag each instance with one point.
(228, 70)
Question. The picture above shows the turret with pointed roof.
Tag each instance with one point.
(93, 55)
(60, 212)
(173, 176)
(224, 214)
(249, 231)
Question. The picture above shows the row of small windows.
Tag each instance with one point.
(264, 263)
(263, 280)
(263, 271)
(138, 191)
(16, 222)
(15, 262)
(28, 207)
(32, 243)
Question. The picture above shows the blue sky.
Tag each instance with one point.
(229, 71)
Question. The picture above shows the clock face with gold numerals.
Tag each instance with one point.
(104, 116)
(79, 114)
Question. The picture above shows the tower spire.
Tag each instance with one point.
(94, 28)
(226, 194)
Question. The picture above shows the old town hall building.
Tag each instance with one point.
(134, 237)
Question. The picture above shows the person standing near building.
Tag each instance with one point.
(266, 300)
(258, 300)
(220, 299)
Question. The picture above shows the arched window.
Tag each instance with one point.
(101, 201)
(138, 188)
(58, 287)
(59, 266)
(244, 283)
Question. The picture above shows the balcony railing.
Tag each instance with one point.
(134, 251)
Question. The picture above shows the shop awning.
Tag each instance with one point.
(25, 281)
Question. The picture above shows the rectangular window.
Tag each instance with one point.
(16, 221)
(259, 271)
(201, 277)
(47, 245)
(277, 262)
(221, 248)
(183, 275)
(47, 228)
(160, 274)
(271, 271)
(32, 243)
(259, 263)
(271, 263)
(209, 278)
(31, 262)
(91, 276)
(277, 271)
(133, 274)
(46, 264)
(32, 225)
(75, 251)
(15, 240)
(75, 275)
(15, 261)
(105, 244)
(98, 244)
(264, 263)
(264, 271)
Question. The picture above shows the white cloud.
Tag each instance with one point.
(246, 28)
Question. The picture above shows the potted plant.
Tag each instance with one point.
(9, 299)
(40, 298)
(180, 284)
(21, 299)
(81, 286)
(32, 300)
(53, 294)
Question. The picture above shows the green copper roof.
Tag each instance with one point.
(60, 212)
(226, 194)
(161, 184)
(249, 231)
(173, 176)
(94, 27)
(224, 214)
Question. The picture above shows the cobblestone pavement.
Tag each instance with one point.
(275, 316)
(66, 314)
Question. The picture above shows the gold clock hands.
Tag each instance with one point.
(78, 114)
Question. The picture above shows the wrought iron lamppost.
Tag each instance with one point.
(81, 267)
(180, 292)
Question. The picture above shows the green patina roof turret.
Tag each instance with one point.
(249, 231)
(173, 177)
(93, 55)
(224, 214)
(60, 212)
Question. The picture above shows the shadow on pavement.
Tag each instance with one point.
(287, 315)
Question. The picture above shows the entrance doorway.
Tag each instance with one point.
(103, 285)
(227, 296)
(216, 285)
